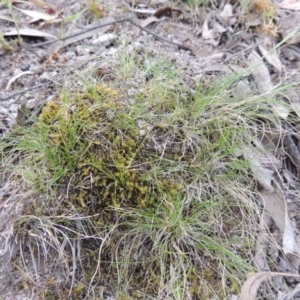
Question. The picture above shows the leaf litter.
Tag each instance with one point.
(261, 53)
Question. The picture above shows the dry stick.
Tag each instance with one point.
(22, 92)
(81, 32)
(180, 46)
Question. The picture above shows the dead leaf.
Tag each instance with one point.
(37, 15)
(290, 4)
(269, 53)
(210, 36)
(260, 72)
(227, 14)
(251, 285)
(144, 24)
(168, 12)
(220, 28)
(263, 175)
(263, 80)
(291, 52)
(288, 24)
(28, 32)
(148, 21)
(275, 205)
(289, 243)
(289, 179)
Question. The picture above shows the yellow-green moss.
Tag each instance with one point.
(98, 143)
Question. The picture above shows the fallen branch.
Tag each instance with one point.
(81, 32)
(23, 92)
(180, 46)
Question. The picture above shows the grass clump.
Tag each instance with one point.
(143, 193)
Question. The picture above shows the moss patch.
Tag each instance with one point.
(93, 137)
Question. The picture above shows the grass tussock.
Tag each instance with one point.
(141, 193)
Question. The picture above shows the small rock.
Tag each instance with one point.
(81, 51)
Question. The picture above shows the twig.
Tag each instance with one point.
(81, 32)
(22, 92)
(227, 64)
(180, 46)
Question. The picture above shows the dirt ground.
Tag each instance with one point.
(202, 40)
